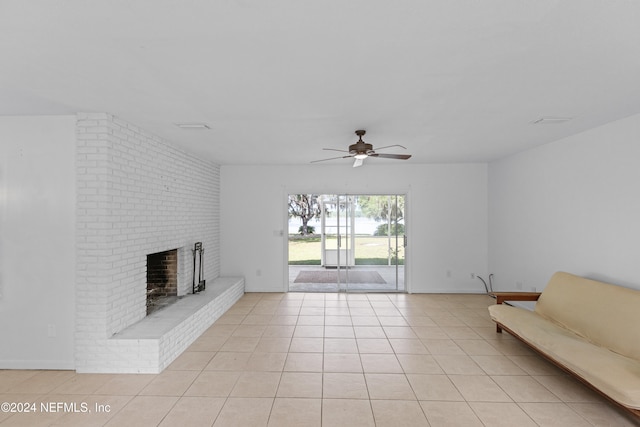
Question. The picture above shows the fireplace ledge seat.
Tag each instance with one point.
(151, 344)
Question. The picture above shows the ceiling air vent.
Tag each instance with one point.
(193, 126)
(551, 120)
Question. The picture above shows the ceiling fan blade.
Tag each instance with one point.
(390, 146)
(391, 156)
(335, 149)
(332, 158)
(358, 163)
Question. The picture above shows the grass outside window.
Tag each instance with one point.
(369, 250)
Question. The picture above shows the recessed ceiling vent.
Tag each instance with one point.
(551, 120)
(193, 126)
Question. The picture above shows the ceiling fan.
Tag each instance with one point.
(361, 150)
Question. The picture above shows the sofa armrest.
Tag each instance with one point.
(515, 296)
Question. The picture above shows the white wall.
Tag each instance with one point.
(37, 242)
(572, 205)
(447, 219)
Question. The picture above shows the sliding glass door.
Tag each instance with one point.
(361, 246)
(379, 243)
(337, 237)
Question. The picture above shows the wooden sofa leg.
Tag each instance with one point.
(498, 329)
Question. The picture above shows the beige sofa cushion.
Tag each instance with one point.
(606, 315)
(615, 375)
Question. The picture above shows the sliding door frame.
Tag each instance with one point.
(407, 226)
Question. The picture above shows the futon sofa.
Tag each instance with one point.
(588, 328)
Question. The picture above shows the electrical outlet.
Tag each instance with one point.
(449, 274)
(258, 272)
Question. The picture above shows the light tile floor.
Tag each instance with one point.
(312, 359)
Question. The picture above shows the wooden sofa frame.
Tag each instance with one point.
(502, 297)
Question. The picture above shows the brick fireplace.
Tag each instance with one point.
(136, 195)
(162, 279)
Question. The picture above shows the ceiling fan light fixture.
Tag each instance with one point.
(361, 150)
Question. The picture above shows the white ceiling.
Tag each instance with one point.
(452, 80)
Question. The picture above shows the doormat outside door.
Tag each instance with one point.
(331, 276)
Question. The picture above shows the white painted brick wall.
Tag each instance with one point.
(137, 195)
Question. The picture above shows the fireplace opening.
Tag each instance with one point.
(162, 279)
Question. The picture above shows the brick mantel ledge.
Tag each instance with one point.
(151, 344)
